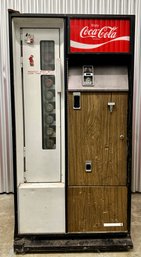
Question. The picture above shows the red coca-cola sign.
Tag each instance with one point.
(100, 35)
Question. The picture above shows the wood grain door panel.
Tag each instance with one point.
(94, 134)
(92, 209)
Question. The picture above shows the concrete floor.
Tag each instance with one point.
(7, 228)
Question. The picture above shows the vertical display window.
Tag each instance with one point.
(47, 55)
(48, 112)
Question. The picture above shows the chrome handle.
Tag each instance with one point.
(111, 105)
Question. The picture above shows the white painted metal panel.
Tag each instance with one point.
(42, 165)
(41, 208)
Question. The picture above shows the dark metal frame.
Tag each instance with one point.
(70, 242)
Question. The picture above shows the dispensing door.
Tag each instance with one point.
(41, 105)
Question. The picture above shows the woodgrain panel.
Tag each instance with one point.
(90, 207)
(94, 134)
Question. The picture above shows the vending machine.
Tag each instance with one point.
(72, 88)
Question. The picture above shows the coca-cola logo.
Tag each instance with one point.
(97, 33)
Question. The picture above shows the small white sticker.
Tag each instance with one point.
(113, 224)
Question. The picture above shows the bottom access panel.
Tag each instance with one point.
(93, 209)
(41, 208)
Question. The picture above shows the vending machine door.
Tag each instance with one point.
(40, 54)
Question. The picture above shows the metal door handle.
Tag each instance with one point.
(111, 105)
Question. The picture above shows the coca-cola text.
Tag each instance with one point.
(97, 33)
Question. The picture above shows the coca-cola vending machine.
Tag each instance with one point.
(72, 89)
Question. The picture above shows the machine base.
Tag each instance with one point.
(34, 245)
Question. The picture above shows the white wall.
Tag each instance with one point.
(63, 6)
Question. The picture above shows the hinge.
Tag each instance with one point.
(25, 180)
(24, 152)
(21, 34)
(21, 61)
(21, 42)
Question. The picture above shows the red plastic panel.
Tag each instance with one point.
(100, 35)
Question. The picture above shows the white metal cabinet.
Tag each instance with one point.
(40, 124)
